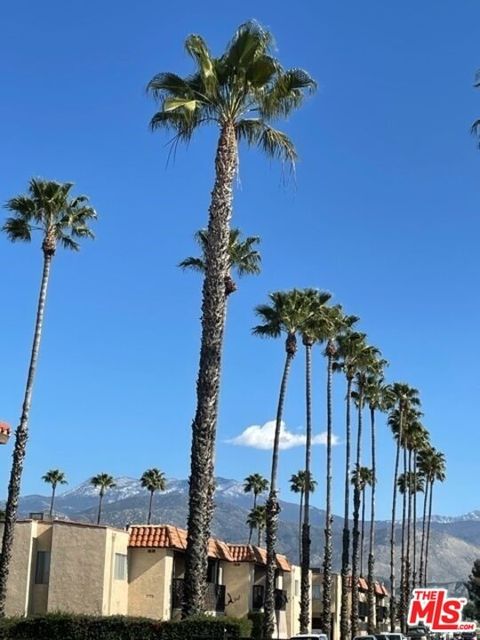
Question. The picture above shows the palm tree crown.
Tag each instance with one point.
(49, 208)
(54, 477)
(153, 480)
(243, 256)
(103, 481)
(246, 87)
(255, 483)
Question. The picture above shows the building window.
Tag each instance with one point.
(42, 568)
(120, 570)
(297, 588)
(316, 592)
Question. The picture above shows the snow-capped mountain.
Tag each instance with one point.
(455, 541)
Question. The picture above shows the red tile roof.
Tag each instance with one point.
(252, 553)
(4, 428)
(363, 585)
(170, 537)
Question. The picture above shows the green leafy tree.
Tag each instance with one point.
(54, 477)
(241, 92)
(61, 219)
(103, 482)
(153, 480)
(286, 313)
(244, 258)
(473, 588)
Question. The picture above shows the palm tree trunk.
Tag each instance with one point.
(362, 531)
(344, 606)
(272, 508)
(427, 544)
(21, 437)
(371, 558)
(149, 520)
(99, 514)
(305, 529)
(201, 488)
(300, 532)
(408, 565)
(402, 552)
(356, 518)
(414, 553)
(393, 607)
(422, 544)
(259, 537)
(327, 558)
(253, 509)
(52, 500)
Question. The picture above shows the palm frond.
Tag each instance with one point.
(274, 143)
(17, 230)
(198, 50)
(196, 264)
(286, 93)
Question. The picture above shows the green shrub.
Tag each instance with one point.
(61, 626)
(257, 624)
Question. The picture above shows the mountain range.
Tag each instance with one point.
(455, 541)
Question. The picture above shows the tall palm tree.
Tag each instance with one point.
(298, 484)
(351, 352)
(379, 397)
(287, 313)
(372, 365)
(153, 480)
(254, 483)
(415, 437)
(364, 480)
(406, 399)
(432, 463)
(419, 440)
(329, 323)
(257, 520)
(317, 328)
(102, 481)
(54, 477)
(241, 92)
(243, 257)
(49, 208)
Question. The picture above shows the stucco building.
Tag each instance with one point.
(92, 569)
(67, 566)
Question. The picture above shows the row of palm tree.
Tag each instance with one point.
(308, 314)
(152, 480)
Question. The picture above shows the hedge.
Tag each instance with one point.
(77, 627)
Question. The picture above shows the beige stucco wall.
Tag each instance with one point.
(150, 580)
(115, 591)
(238, 578)
(292, 584)
(19, 578)
(42, 541)
(77, 569)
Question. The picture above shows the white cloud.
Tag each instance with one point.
(261, 437)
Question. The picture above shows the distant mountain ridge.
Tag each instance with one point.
(455, 542)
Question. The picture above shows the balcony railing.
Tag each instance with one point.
(280, 600)
(382, 614)
(214, 597)
(363, 609)
(258, 598)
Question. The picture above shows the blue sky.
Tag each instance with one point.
(383, 213)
